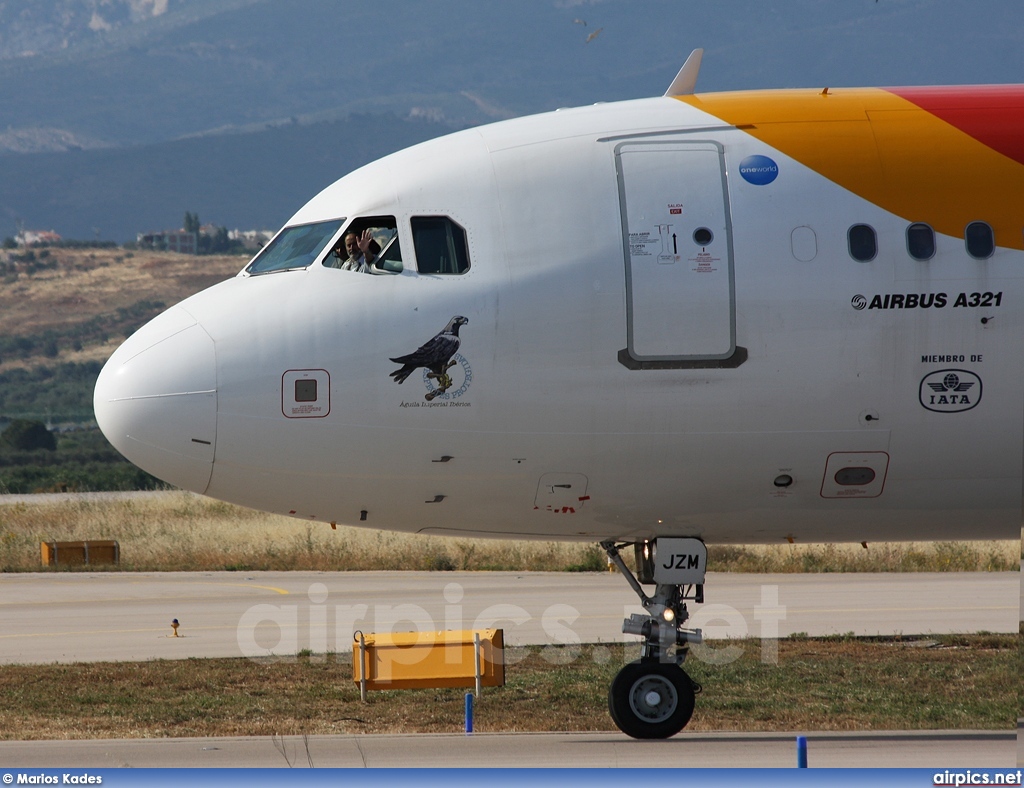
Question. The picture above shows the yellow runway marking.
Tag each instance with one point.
(161, 598)
(275, 589)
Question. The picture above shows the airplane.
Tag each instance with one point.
(657, 324)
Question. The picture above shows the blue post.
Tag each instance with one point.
(801, 752)
(469, 712)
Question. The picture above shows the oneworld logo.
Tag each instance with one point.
(759, 170)
(950, 391)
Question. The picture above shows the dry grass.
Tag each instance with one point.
(992, 556)
(829, 684)
(89, 282)
(181, 531)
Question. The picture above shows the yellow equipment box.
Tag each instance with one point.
(427, 660)
(90, 552)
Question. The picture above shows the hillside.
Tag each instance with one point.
(77, 305)
(203, 66)
(62, 313)
(119, 115)
(247, 181)
(141, 71)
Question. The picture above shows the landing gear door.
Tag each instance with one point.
(677, 243)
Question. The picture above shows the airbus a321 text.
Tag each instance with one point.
(747, 317)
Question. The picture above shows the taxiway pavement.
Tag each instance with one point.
(126, 616)
(877, 749)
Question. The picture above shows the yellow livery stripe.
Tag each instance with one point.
(889, 151)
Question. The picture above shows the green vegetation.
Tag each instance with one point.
(58, 394)
(33, 459)
(63, 310)
(82, 461)
(216, 242)
(27, 262)
(964, 681)
(28, 435)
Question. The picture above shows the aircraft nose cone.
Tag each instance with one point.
(156, 400)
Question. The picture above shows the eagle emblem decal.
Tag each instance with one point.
(435, 356)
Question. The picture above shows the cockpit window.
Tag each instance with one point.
(390, 259)
(441, 246)
(369, 245)
(295, 247)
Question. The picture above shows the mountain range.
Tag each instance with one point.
(119, 115)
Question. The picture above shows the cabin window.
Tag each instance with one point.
(383, 252)
(441, 246)
(981, 242)
(921, 241)
(863, 242)
(295, 247)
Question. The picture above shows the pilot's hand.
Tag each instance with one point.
(363, 241)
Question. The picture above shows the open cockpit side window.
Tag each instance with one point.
(369, 245)
(295, 247)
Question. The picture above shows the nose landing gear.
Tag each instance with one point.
(653, 697)
(651, 700)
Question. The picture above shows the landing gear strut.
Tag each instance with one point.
(653, 697)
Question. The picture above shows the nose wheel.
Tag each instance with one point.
(651, 700)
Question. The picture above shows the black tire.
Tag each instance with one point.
(651, 700)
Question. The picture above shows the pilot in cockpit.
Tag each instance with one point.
(356, 253)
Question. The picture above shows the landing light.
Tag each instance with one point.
(669, 615)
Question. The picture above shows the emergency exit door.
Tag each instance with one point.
(678, 251)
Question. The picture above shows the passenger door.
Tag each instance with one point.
(678, 252)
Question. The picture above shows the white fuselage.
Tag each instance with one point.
(616, 378)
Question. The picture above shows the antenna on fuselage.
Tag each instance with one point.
(686, 79)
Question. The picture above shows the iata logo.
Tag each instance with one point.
(950, 391)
